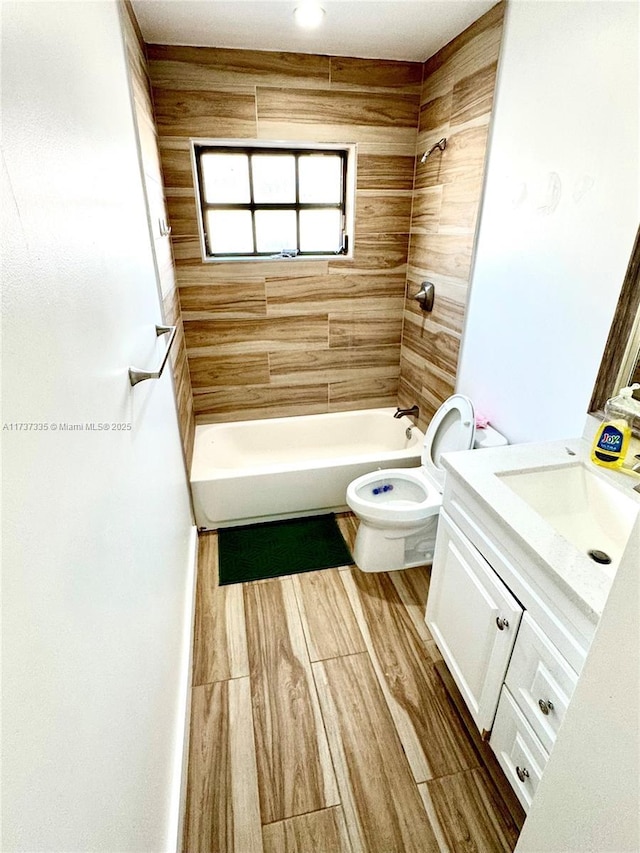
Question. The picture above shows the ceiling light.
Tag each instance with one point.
(309, 14)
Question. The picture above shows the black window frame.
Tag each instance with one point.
(202, 148)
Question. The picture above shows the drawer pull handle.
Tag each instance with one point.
(523, 773)
(502, 623)
(546, 705)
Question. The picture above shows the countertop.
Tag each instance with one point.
(580, 578)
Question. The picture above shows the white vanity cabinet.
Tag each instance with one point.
(474, 620)
(512, 639)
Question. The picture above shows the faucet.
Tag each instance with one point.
(414, 410)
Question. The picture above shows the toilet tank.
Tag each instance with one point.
(488, 437)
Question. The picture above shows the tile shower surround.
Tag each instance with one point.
(278, 338)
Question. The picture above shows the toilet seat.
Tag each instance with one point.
(412, 498)
(451, 428)
(404, 497)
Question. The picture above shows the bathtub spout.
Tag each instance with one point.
(414, 410)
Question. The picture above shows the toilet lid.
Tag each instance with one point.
(451, 428)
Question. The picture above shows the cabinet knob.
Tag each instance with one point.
(502, 623)
(523, 773)
(546, 705)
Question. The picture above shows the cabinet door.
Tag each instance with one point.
(474, 620)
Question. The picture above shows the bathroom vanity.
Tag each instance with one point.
(515, 598)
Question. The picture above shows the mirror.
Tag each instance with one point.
(620, 363)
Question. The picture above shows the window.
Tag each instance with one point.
(264, 201)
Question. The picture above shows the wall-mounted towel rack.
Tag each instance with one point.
(136, 375)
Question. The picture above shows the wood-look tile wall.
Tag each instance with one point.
(276, 338)
(152, 173)
(456, 102)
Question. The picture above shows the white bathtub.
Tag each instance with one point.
(287, 467)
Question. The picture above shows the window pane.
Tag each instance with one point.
(320, 230)
(275, 230)
(229, 231)
(274, 179)
(320, 179)
(225, 178)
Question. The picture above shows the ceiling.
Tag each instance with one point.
(379, 29)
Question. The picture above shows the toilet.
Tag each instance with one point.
(398, 508)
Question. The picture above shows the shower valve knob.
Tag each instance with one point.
(425, 295)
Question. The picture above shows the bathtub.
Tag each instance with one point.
(277, 468)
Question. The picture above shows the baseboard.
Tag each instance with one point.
(183, 725)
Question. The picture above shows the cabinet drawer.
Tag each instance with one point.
(520, 753)
(540, 680)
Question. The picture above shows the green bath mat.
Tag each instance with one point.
(275, 548)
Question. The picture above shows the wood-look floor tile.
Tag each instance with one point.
(348, 524)
(294, 767)
(469, 815)
(509, 803)
(412, 586)
(220, 649)
(222, 810)
(431, 732)
(381, 803)
(327, 618)
(317, 832)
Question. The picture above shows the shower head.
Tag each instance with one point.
(441, 144)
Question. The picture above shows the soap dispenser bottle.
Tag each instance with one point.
(612, 438)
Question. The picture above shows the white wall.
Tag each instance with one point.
(589, 798)
(97, 532)
(560, 212)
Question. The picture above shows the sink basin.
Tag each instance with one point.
(581, 506)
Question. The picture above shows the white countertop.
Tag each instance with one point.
(582, 579)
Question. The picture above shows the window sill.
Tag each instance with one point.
(278, 259)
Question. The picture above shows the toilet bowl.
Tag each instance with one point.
(398, 508)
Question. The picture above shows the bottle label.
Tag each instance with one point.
(611, 440)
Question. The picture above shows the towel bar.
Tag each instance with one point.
(136, 375)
